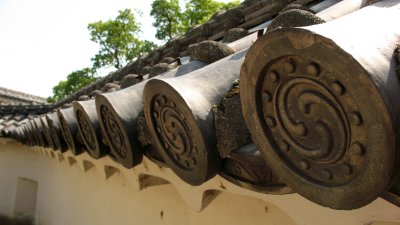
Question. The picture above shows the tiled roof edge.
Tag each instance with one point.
(12, 94)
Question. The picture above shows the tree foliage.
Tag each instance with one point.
(119, 43)
(168, 16)
(118, 40)
(75, 81)
(171, 20)
(200, 11)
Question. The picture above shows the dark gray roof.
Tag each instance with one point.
(11, 97)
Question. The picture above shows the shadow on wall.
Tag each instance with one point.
(4, 220)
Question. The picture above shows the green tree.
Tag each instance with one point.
(75, 81)
(200, 11)
(168, 18)
(118, 40)
(229, 5)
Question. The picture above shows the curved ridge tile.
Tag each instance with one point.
(118, 112)
(89, 128)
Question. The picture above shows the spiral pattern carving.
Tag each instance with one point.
(176, 136)
(86, 130)
(46, 133)
(306, 112)
(310, 119)
(67, 132)
(52, 134)
(114, 132)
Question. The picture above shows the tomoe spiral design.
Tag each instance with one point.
(54, 136)
(46, 132)
(310, 119)
(113, 131)
(307, 111)
(53, 133)
(66, 132)
(86, 130)
(177, 137)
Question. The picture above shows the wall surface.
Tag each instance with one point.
(79, 190)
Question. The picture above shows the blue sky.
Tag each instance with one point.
(42, 41)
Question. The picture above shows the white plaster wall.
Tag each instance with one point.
(80, 193)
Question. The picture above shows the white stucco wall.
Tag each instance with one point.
(82, 193)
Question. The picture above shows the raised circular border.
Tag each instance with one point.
(380, 141)
(207, 163)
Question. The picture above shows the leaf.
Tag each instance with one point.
(75, 81)
(171, 21)
(118, 40)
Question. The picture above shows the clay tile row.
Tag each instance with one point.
(311, 109)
